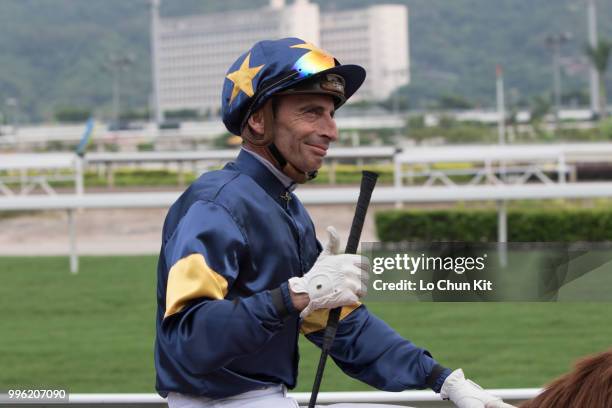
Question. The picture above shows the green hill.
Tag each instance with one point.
(52, 53)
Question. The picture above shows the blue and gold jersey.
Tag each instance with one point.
(225, 322)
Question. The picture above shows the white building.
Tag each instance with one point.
(192, 54)
(375, 38)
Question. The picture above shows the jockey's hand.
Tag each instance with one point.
(334, 280)
(465, 393)
(332, 245)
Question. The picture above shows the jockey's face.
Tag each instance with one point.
(304, 127)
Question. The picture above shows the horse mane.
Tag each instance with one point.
(588, 385)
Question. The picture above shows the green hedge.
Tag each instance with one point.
(550, 225)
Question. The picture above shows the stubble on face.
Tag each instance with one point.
(304, 129)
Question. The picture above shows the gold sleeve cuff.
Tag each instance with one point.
(191, 278)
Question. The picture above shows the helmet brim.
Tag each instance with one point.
(353, 75)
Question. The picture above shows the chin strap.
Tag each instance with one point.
(264, 145)
(288, 168)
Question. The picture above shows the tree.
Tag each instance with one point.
(183, 114)
(540, 107)
(449, 101)
(134, 114)
(72, 114)
(599, 57)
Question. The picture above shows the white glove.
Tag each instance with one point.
(332, 246)
(465, 393)
(334, 280)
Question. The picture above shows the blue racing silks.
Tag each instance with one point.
(225, 322)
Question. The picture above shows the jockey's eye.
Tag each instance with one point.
(312, 112)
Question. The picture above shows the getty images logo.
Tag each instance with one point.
(414, 264)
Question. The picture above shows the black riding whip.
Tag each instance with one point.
(368, 181)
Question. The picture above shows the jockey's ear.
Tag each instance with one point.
(257, 122)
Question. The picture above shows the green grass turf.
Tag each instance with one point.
(94, 332)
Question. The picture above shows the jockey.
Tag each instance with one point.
(241, 272)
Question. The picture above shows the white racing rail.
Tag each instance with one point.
(38, 169)
(34, 168)
(340, 195)
(416, 399)
(382, 195)
(493, 164)
(226, 154)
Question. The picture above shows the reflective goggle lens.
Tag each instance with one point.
(312, 63)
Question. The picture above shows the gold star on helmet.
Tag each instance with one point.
(243, 78)
(327, 57)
